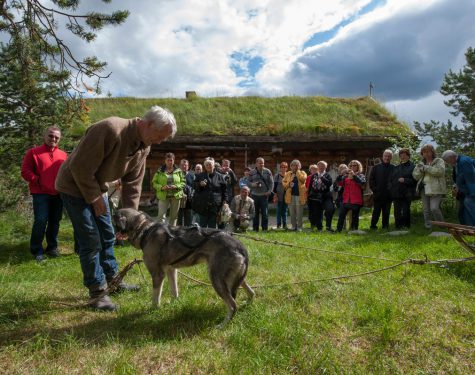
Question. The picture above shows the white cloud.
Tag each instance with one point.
(172, 46)
(168, 47)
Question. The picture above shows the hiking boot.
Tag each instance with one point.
(123, 287)
(53, 253)
(99, 299)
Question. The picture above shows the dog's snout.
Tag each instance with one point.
(120, 222)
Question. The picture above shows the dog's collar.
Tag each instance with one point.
(145, 233)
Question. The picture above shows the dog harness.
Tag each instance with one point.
(181, 241)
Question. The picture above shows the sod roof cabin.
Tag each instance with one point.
(278, 129)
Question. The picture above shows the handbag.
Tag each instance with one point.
(224, 214)
(183, 200)
(419, 187)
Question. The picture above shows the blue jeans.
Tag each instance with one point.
(469, 210)
(47, 211)
(262, 208)
(95, 239)
(281, 213)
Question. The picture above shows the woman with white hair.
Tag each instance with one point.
(295, 193)
(210, 194)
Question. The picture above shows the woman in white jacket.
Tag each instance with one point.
(430, 177)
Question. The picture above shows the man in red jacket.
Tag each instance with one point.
(40, 168)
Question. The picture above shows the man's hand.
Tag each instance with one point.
(99, 206)
(121, 237)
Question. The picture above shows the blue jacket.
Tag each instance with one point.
(466, 175)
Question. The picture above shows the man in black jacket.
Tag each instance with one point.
(402, 187)
(379, 184)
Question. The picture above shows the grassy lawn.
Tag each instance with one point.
(410, 320)
(313, 115)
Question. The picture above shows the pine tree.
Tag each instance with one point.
(41, 79)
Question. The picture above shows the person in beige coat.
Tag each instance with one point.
(430, 177)
(295, 193)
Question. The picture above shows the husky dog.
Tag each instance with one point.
(167, 248)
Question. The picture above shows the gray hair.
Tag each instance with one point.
(324, 163)
(52, 128)
(447, 154)
(245, 187)
(198, 165)
(161, 117)
(209, 160)
(259, 158)
(388, 151)
(296, 162)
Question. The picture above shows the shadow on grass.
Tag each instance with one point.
(133, 328)
(15, 253)
(19, 252)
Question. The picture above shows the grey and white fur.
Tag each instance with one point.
(165, 249)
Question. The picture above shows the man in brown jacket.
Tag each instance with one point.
(111, 149)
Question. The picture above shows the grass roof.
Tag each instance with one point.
(292, 115)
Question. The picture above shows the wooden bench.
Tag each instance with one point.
(458, 232)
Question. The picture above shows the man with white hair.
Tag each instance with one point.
(379, 184)
(464, 181)
(111, 149)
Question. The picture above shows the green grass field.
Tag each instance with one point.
(410, 320)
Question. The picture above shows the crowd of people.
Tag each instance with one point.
(112, 155)
(398, 185)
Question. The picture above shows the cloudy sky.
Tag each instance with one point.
(289, 47)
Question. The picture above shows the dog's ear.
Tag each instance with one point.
(120, 221)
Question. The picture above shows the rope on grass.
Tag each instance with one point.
(334, 278)
(286, 244)
(114, 284)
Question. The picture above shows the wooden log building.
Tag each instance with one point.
(241, 129)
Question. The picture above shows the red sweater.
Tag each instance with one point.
(40, 168)
(353, 190)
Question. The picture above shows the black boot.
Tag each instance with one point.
(99, 299)
(122, 286)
